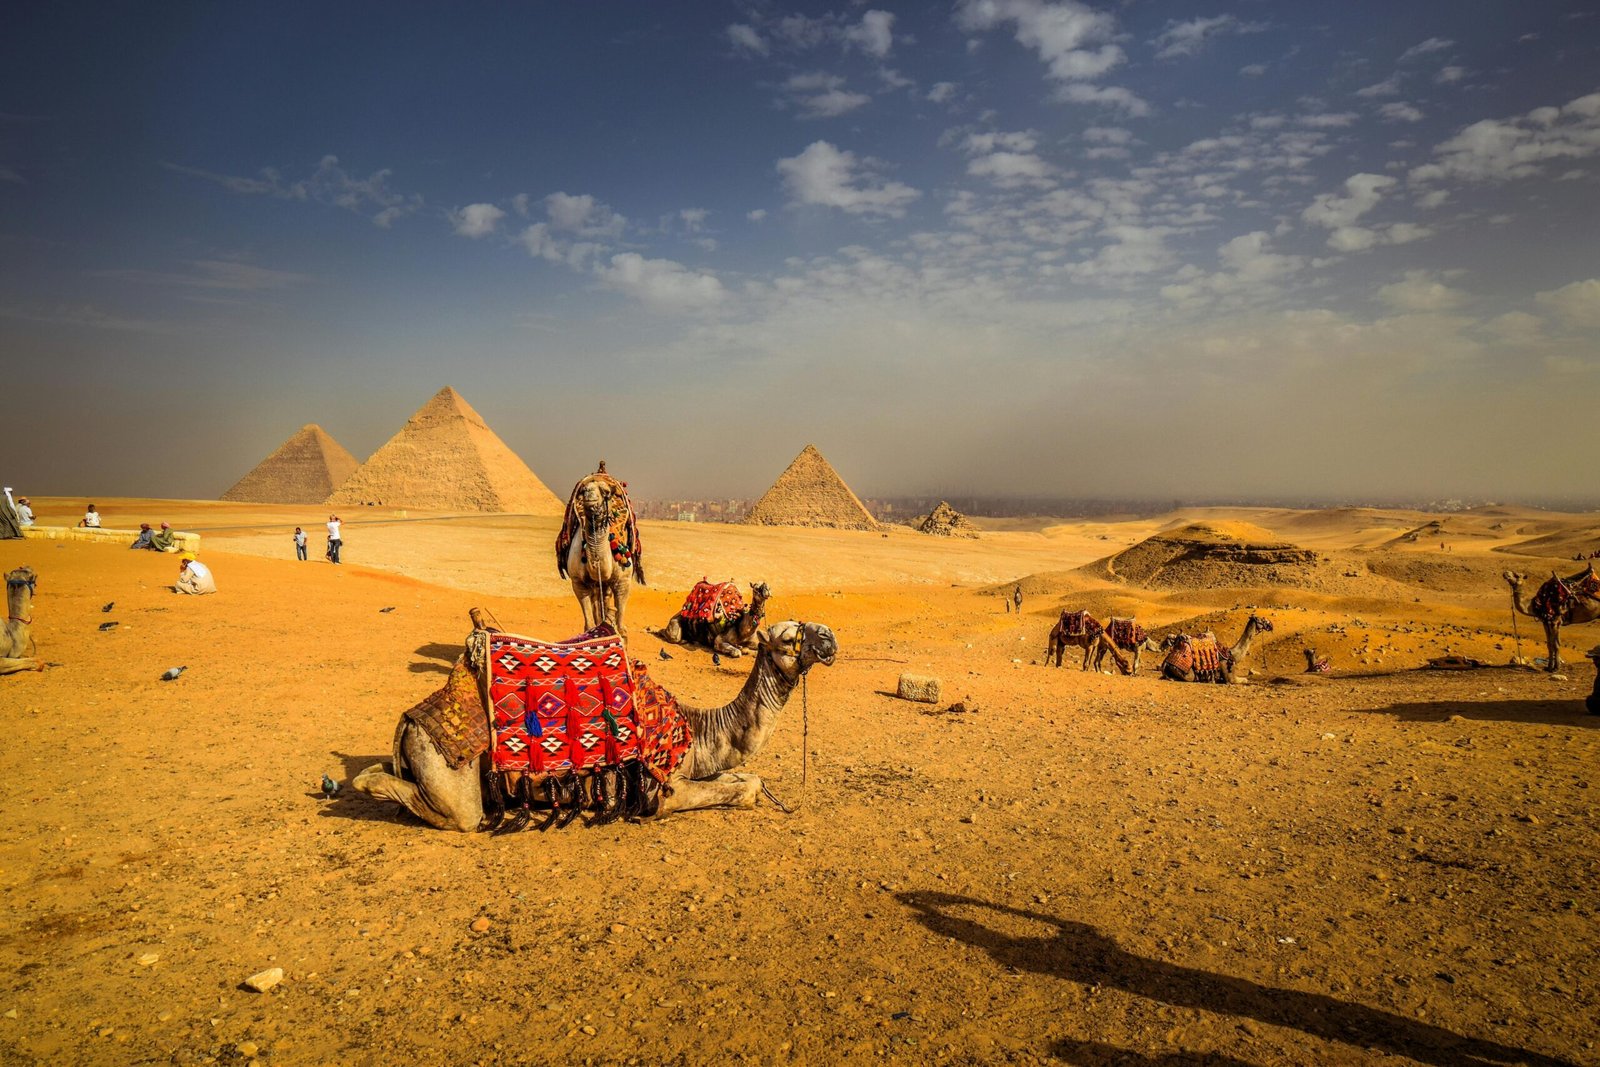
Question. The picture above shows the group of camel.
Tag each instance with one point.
(722, 739)
(1188, 657)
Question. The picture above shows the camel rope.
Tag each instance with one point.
(805, 737)
(1515, 629)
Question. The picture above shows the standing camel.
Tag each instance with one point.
(1559, 602)
(1124, 635)
(1077, 629)
(723, 738)
(1203, 659)
(598, 549)
(16, 640)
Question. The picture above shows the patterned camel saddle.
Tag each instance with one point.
(1125, 633)
(1556, 595)
(717, 603)
(567, 709)
(1201, 654)
(623, 528)
(1079, 624)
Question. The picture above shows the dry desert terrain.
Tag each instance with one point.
(1385, 864)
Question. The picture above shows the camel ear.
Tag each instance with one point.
(763, 638)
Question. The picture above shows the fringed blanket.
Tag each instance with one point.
(622, 531)
(1125, 633)
(1202, 655)
(716, 603)
(569, 708)
(1554, 598)
(1079, 624)
(453, 717)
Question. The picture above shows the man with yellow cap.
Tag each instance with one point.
(193, 576)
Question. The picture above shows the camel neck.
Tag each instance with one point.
(727, 736)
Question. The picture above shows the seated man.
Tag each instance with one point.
(164, 540)
(145, 533)
(193, 576)
(91, 519)
(24, 511)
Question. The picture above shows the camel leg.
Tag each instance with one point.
(721, 644)
(1088, 647)
(441, 797)
(1552, 641)
(673, 634)
(620, 588)
(729, 789)
(12, 666)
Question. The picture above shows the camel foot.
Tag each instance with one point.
(13, 666)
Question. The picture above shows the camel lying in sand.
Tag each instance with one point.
(16, 639)
(1203, 659)
(723, 738)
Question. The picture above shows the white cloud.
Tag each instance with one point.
(1450, 75)
(757, 215)
(1188, 38)
(1390, 86)
(1500, 150)
(1337, 212)
(1432, 199)
(1108, 135)
(827, 176)
(874, 34)
(747, 39)
(822, 96)
(1109, 96)
(1421, 291)
(1253, 70)
(1400, 112)
(1012, 169)
(1062, 32)
(1432, 44)
(1578, 303)
(662, 283)
(1328, 120)
(693, 218)
(476, 220)
(583, 215)
(941, 92)
(329, 184)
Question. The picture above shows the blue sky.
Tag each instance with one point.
(1332, 250)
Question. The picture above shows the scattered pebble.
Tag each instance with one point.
(480, 924)
(264, 980)
(149, 959)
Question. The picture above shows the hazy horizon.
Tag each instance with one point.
(996, 248)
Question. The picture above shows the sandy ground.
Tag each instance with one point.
(1383, 865)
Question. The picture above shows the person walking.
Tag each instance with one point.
(299, 543)
(335, 541)
(1016, 598)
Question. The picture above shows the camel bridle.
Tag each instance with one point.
(17, 583)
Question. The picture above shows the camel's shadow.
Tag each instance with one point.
(1547, 712)
(351, 803)
(1077, 952)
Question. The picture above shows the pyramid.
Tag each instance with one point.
(945, 521)
(811, 493)
(304, 470)
(445, 458)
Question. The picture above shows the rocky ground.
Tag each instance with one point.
(1388, 864)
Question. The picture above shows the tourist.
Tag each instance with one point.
(193, 576)
(1016, 598)
(335, 542)
(91, 519)
(164, 540)
(145, 534)
(24, 512)
(299, 543)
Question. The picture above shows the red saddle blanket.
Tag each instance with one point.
(567, 707)
(713, 602)
(1556, 594)
(1079, 624)
(1125, 633)
(1202, 655)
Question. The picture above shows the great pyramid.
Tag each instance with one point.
(447, 459)
(811, 493)
(304, 470)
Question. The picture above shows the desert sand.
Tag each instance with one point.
(1385, 864)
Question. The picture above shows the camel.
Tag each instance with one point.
(730, 636)
(723, 738)
(16, 640)
(1555, 605)
(1124, 635)
(598, 549)
(1203, 659)
(1316, 662)
(1078, 629)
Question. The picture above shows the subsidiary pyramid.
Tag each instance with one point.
(445, 458)
(811, 493)
(304, 470)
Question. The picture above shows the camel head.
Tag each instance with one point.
(593, 497)
(760, 593)
(22, 577)
(796, 647)
(1262, 625)
(1514, 579)
(1169, 641)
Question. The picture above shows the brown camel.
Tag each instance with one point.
(1203, 659)
(1558, 603)
(1077, 629)
(723, 738)
(16, 640)
(728, 636)
(1124, 635)
(598, 549)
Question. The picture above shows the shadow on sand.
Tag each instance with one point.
(1079, 953)
(1549, 712)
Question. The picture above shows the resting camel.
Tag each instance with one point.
(16, 640)
(724, 738)
(1124, 635)
(1574, 609)
(730, 637)
(1203, 659)
(591, 553)
(1077, 629)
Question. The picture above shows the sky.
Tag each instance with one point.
(1321, 250)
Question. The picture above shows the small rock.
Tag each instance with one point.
(1558, 677)
(247, 1049)
(618, 928)
(265, 980)
(480, 924)
(1330, 737)
(149, 959)
(923, 688)
(12, 1014)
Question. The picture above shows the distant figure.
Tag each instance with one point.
(1007, 602)
(24, 512)
(145, 534)
(1016, 598)
(335, 542)
(299, 543)
(164, 540)
(91, 519)
(193, 576)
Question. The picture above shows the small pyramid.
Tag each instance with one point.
(304, 470)
(945, 521)
(811, 493)
(446, 458)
